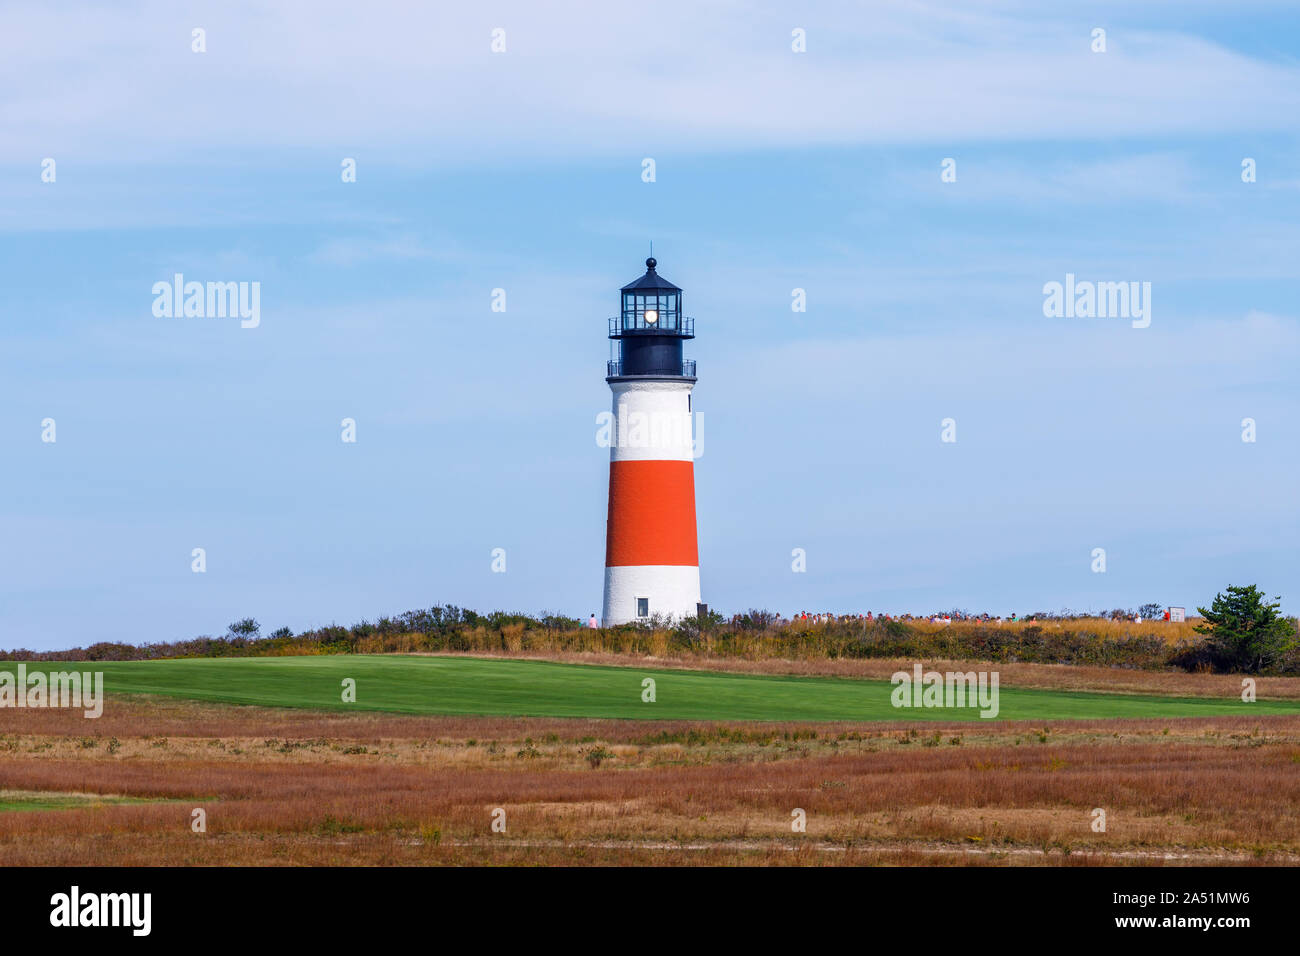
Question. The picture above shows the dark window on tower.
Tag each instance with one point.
(642, 607)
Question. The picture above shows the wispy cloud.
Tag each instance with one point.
(418, 82)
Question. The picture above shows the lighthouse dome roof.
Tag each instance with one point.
(651, 281)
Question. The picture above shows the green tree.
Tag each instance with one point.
(248, 629)
(1245, 633)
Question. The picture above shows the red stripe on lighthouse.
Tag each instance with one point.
(651, 514)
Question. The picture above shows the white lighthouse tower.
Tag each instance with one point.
(652, 564)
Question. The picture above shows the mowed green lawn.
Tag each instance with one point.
(39, 800)
(462, 685)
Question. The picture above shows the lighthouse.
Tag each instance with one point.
(652, 564)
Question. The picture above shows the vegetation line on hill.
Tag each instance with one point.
(1239, 634)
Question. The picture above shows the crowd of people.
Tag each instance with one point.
(826, 617)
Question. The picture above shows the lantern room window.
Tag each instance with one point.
(659, 311)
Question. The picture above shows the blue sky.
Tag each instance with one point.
(521, 170)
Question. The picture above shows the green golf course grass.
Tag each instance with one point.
(463, 685)
(35, 800)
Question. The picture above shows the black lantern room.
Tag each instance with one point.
(647, 337)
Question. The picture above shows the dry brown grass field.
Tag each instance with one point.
(300, 787)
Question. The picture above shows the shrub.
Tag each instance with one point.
(1244, 633)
